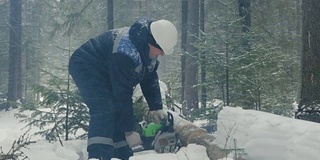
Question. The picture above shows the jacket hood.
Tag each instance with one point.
(138, 34)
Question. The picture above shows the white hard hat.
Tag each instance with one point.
(165, 34)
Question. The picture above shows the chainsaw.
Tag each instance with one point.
(159, 137)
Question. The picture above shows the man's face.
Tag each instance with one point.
(154, 52)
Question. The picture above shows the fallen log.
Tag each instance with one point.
(190, 133)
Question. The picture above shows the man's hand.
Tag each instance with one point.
(133, 139)
(159, 116)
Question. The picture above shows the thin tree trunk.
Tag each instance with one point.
(203, 59)
(110, 15)
(184, 33)
(227, 75)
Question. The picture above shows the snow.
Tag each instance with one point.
(12, 129)
(265, 136)
(256, 136)
(191, 152)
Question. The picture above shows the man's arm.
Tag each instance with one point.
(151, 89)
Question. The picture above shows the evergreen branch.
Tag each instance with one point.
(15, 152)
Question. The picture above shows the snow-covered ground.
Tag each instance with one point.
(265, 136)
(11, 129)
(255, 135)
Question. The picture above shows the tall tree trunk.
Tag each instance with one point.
(184, 33)
(227, 97)
(110, 15)
(15, 82)
(203, 59)
(191, 70)
(245, 15)
(308, 107)
(32, 13)
(148, 9)
(4, 57)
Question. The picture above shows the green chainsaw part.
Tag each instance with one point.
(151, 129)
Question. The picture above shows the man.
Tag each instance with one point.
(106, 69)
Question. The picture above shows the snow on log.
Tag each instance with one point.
(190, 133)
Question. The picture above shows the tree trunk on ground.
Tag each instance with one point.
(189, 133)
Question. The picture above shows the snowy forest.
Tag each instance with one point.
(257, 54)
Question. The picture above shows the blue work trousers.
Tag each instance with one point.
(105, 139)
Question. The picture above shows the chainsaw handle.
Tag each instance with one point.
(170, 120)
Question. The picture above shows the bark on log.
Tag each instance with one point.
(190, 133)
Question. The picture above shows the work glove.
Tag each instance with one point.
(133, 139)
(159, 116)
